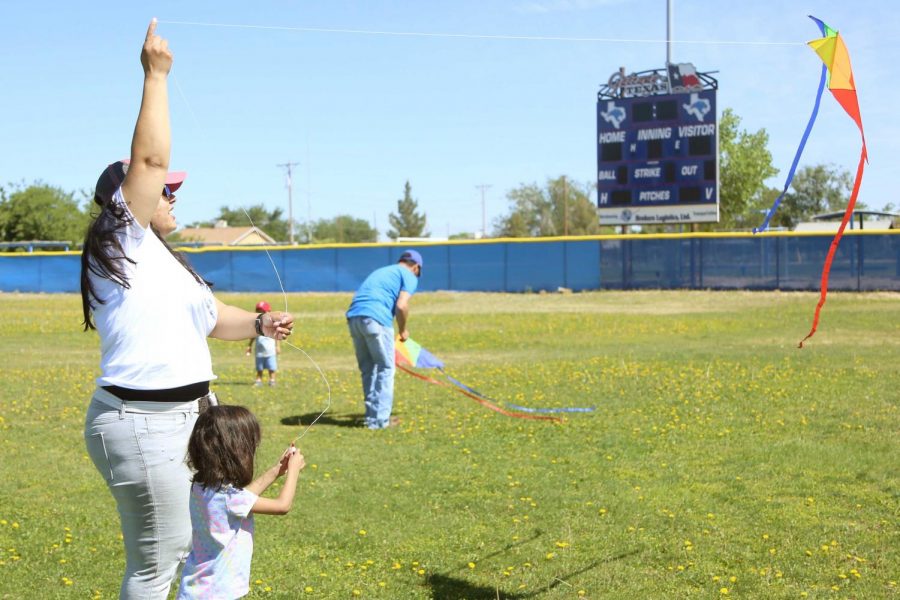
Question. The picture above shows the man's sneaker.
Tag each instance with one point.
(258, 383)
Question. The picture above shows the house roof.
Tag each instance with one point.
(873, 224)
(229, 236)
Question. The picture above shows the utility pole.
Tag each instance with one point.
(483, 187)
(670, 25)
(290, 181)
(309, 223)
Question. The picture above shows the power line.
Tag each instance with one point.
(475, 36)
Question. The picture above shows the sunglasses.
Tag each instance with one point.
(169, 194)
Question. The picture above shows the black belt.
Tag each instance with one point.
(185, 393)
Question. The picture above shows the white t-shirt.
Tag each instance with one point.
(153, 334)
(265, 347)
(222, 544)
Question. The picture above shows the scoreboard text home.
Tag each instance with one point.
(657, 152)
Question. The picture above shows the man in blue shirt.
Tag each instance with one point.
(383, 295)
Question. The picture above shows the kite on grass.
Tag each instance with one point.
(837, 75)
(410, 354)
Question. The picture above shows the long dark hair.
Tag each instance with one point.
(222, 446)
(102, 253)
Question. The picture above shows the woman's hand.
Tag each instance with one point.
(156, 58)
(277, 325)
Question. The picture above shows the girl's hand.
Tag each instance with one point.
(296, 462)
(277, 325)
(285, 460)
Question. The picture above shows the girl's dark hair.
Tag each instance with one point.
(102, 253)
(222, 446)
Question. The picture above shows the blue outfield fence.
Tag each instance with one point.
(864, 261)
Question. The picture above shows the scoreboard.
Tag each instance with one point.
(657, 158)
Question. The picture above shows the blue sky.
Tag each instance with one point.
(364, 112)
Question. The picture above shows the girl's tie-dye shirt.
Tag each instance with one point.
(222, 547)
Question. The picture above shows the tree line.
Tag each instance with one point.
(559, 206)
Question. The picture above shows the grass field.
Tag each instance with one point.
(721, 461)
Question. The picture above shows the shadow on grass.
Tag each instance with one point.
(337, 420)
(445, 586)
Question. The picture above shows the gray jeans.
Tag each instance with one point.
(140, 448)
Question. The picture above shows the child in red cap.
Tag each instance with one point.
(267, 351)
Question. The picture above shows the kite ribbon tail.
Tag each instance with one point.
(477, 399)
(529, 409)
(826, 269)
(790, 177)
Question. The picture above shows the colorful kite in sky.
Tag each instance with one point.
(411, 354)
(838, 76)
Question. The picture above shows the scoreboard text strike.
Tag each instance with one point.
(657, 159)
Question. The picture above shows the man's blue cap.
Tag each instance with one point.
(413, 256)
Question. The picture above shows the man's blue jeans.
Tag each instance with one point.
(374, 345)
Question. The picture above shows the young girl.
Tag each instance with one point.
(224, 497)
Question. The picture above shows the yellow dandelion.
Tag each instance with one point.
(471, 565)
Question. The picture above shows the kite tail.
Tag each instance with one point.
(480, 400)
(790, 176)
(516, 406)
(834, 244)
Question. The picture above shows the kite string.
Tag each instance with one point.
(319, 369)
(277, 276)
(476, 36)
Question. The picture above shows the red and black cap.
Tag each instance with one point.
(112, 177)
